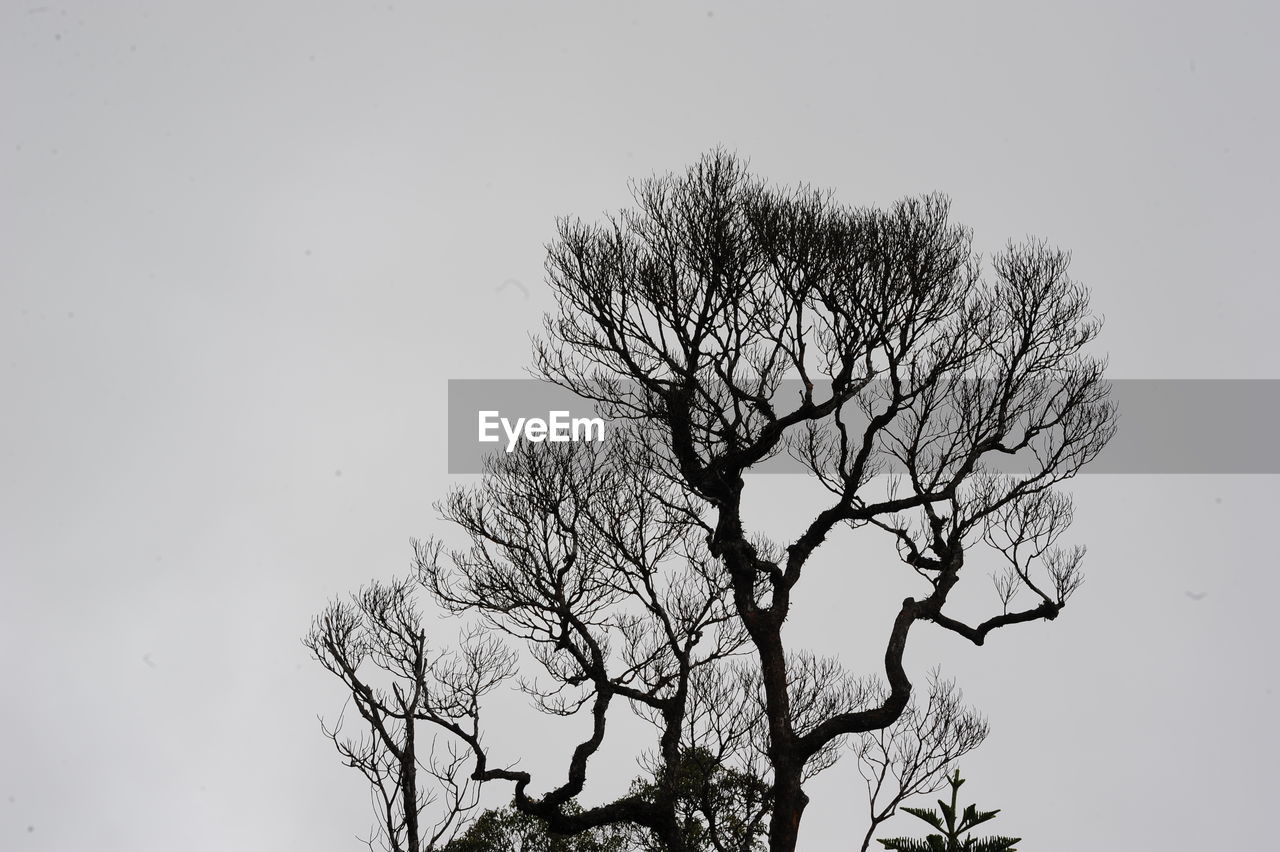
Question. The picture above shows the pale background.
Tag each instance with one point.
(243, 245)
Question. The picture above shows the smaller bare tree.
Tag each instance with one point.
(375, 645)
(915, 754)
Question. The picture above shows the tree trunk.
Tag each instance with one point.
(789, 801)
(409, 787)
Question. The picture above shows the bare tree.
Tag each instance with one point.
(915, 754)
(380, 629)
(598, 564)
(630, 574)
(688, 312)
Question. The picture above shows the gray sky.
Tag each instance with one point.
(244, 245)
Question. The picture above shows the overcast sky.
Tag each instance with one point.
(243, 247)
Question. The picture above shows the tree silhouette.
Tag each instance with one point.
(598, 564)
(375, 644)
(936, 404)
(953, 824)
(915, 754)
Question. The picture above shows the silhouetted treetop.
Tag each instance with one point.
(935, 400)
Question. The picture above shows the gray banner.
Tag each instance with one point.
(1166, 425)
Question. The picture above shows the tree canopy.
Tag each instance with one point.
(937, 402)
